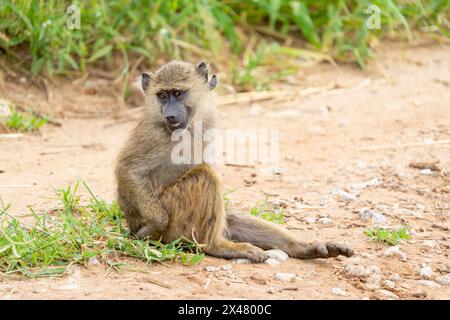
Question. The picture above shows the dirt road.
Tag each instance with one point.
(399, 107)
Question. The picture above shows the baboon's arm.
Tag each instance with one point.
(144, 196)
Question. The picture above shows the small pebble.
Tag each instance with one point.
(325, 221)
(355, 271)
(387, 294)
(429, 284)
(272, 262)
(426, 172)
(277, 254)
(425, 272)
(338, 292)
(93, 261)
(241, 261)
(389, 284)
(310, 220)
(444, 280)
(285, 277)
(365, 214)
(395, 251)
(227, 267)
(211, 268)
(346, 195)
(394, 277)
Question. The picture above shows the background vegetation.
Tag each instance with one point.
(244, 35)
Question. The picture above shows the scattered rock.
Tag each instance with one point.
(366, 215)
(259, 279)
(285, 277)
(444, 280)
(272, 262)
(389, 284)
(387, 294)
(426, 172)
(211, 268)
(373, 269)
(346, 195)
(394, 277)
(338, 292)
(358, 187)
(277, 254)
(419, 294)
(429, 243)
(357, 271)
(93, 261)
(271, 290)
(278, 171)
(240, 261)
(227, 267)
(419, 206)
(429, 284)
(325, 221)
(310, 220)
(373, 282)
(425, 272)
(395, 252)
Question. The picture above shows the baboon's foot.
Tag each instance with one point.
(324, 250)
(256, 255)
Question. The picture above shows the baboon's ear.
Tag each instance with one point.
(213, 82)
(145, 80)
(202, 70)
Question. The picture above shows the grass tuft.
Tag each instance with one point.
(267, 211)
(74, 233)
(392, 238)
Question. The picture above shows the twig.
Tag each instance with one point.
(239, 165)
(208, 282)
(405, 145)
(161, 284)
(426, 165)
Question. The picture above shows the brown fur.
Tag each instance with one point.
(163, 200)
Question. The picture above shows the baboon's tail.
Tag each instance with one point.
(266, 235)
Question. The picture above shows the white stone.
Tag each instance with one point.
(277, 254)
(346, 195)
(211, 268)
(387, 294)
(373, 269)
(310, 220)
(373, 282)
(394, 252)
(389, 284)
(426, 172)
(429, 284)
(365, 214)
(241, 261)
(419, 206)
(325, 221)
(394, 277)
(272, 262)
(227, 267)
(284, 276)
(429, 243)
(338, 292)
(444, 280)
(93, 261)
(425, 272)
(355, 271)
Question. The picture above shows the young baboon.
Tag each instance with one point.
(164, 200)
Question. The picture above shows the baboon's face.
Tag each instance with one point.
(174, 109)
(177, 87)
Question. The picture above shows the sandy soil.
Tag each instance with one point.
(402, 98)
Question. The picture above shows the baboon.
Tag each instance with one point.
(163, 200)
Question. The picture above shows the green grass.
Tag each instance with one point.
(74, 233)
(34, 33)
(17, 121)
(268, 212)
(390, 237)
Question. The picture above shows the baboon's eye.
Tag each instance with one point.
(177, 93)
(162, 95)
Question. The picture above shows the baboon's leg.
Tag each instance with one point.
(195, 207)
(266, 235)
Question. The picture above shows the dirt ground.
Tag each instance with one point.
(399, 107)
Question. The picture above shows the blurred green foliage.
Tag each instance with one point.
(36, 35)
